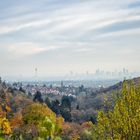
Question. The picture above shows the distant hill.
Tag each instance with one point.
(118, 86)
(91, 103)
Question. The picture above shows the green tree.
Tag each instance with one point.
(123, 122)
(40, 118)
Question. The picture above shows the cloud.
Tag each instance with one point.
(14, 28)
(23, 49)
(79, 14)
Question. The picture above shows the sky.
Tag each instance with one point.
(59, 36)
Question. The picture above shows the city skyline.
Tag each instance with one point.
(99, 74)
(58, 37)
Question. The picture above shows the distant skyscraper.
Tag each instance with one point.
(35, 72)
(124, 71)
(62, 85)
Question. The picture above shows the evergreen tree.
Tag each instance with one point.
(38, 97)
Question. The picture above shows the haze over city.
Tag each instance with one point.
(57, 37)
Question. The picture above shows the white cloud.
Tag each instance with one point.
(28, 48)
(22, 49)
(78, 18)
(14, 28)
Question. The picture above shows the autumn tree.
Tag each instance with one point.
(40, 118)
(5, 127)
(123, 122)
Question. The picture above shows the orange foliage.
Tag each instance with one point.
(87, 125)
(17, 121)
(72, 130)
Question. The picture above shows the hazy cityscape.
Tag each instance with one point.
(71, 76)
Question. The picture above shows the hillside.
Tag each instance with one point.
(91, 103)
(118, 86)
(25, 118)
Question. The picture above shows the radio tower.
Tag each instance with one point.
(36, 74)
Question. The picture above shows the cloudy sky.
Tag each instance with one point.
(58, 36)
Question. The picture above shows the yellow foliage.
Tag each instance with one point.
(59, 121)
(5, 126)
(8, 109)
(124, 121)
(44, 120)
